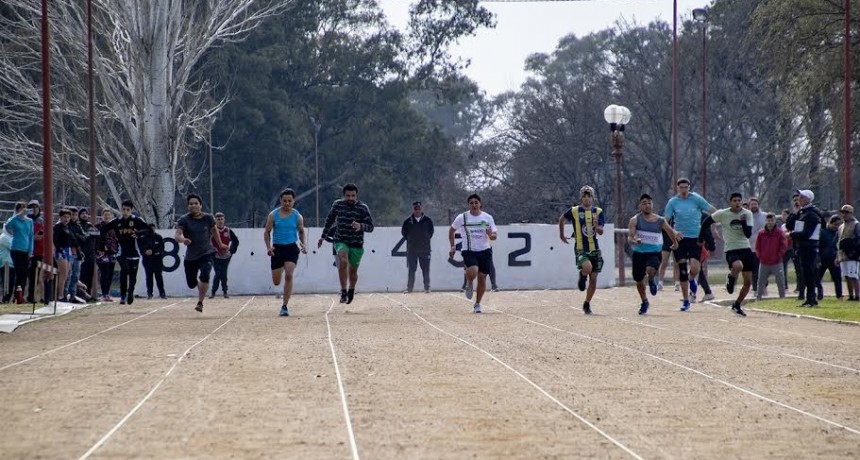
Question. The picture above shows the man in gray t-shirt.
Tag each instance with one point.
(196, 231)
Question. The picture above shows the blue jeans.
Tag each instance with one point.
(71, 287)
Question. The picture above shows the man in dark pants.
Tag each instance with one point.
(418, 231)
(127, 228)
(151, 245)
(88, 265)
(38, 249)
(221, 263)
(829, 250)
(805, 228)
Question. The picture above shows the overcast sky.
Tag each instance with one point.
(497, 55)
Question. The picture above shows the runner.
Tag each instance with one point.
(347, 222)
(644, 235)
(289, 227)
(127, 226)
(197, 231)
(737, 229)
(477, 229)
(686, 209)
(587, 222)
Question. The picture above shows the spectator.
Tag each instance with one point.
(107, 247)
(21, 250)
(849, 251)
(88, 248)
(771, 246)
(151, 245)
(418, 231)
(757, 224)
(38, 249)
(828, 251)
(805, 231)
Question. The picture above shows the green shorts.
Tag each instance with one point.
(352, 254)
(593, 256)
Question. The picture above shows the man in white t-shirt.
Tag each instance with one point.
(477, 229)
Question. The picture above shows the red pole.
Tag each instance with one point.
(91, 109)
(704, 109)
(847, 100)
(674, 94)
(47, 164)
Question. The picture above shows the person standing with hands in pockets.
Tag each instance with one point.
(289, 227)
(477, 228)
(347, 222)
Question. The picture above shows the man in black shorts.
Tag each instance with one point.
(197, 231)
(645, 234)
(737, 228)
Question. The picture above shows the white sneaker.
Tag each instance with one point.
(677, 287)
(660, 286)
(476, 308)
(708, 297)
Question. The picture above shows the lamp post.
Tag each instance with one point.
(674, 93)
(211, 170)
(317, 126)
(847, 100)
(700, 15)
(617, 116)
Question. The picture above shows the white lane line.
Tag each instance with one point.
(729, 342)
(152, 391)
(23, 361)
(520, 375)
(352, 445)
(686, 368)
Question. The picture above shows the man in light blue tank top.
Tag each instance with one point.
(289, 229)
(686, 209)
(645, 236)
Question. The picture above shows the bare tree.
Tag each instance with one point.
(153, 104)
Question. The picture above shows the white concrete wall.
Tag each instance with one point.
(528, 256)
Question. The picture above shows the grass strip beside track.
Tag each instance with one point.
(828, 308)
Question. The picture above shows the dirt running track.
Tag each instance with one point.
(422, 377)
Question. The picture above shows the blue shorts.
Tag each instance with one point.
(63, 254)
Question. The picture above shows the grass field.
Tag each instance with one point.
(828, 308)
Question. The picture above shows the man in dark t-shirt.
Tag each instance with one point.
(196, 231)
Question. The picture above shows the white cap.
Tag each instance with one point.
(806, 194)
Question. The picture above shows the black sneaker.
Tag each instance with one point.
(643, 307)
(652, 285)
(130, 299)
(730, 283)
(212, 295)
(586, 308)
(225, 295)
(736, 308)
(349, 295)
(199, 307)
(582, 281)
(342, 296)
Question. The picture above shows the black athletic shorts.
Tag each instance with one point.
(203, 266)
(688, 248)
(283, 253)
(746, 257)
(667, 242)
(643, 260)
(482, 259)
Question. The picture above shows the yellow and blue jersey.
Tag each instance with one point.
(585, 220)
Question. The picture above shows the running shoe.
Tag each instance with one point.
(677, 287)
(284, 311)
(708, 297)
(736, 308)
(476, 308)
(469, 290)
(685, 305)
(730, 283)
(350, 294)
(694, 288)
(199, 307)
(659, 285)
(643, 307)
(581, 284)
(586, 308)
(653, 286)
(342, 296)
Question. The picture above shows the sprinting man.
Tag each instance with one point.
(196, 230)
(686, 209)
(587, 222)
(127, 227)
(737, 229)
(289, 228)
(477, 229)
(644, 234)
(347, 222)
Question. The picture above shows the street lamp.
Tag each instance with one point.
(700, 15)
(317, 126)
(617, 116)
